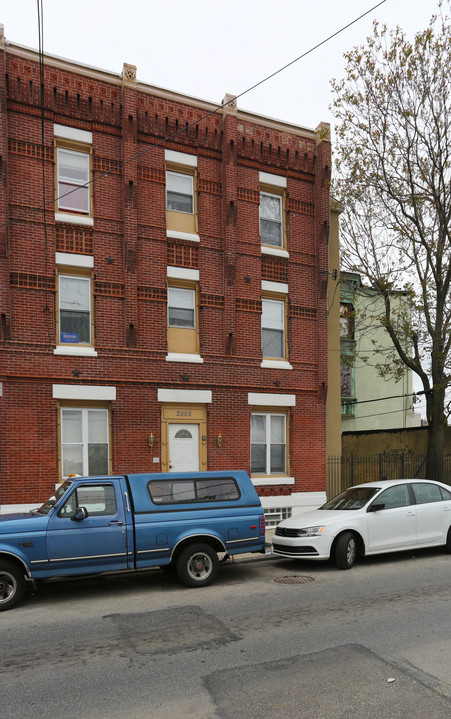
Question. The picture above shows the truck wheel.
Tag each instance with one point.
(197, 565)
(12, 585)
(346, 550)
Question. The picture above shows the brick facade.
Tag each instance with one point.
(127, 251)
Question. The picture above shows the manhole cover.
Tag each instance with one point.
(294, 580)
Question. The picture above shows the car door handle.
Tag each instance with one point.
(115, 522)
(410, 514)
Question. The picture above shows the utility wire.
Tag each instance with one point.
(381, 414)
(381, 399)
(204, 117)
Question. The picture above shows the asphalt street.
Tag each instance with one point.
(271, 637)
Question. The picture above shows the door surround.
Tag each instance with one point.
(183, 413)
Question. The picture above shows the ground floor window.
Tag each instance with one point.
(84, 441)
(268, 443)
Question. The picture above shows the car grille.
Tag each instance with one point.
(283, 549)
(286, 532)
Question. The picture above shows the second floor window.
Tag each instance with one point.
(273, 329)
(271, 231)
(74, 309)
(73, 174)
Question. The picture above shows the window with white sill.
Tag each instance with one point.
(84, 441)
(268, 443)
(74, 309)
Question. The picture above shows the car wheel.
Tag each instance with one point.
(197, 565)
(346, 550)
(12, 585)
(448, 541)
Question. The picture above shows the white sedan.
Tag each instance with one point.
(372, 518)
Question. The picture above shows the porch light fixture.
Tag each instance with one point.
(151, 440)
(219, 441)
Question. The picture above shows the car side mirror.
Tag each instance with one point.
(80, 513)
(376, 507)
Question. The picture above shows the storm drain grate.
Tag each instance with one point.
(294, 580)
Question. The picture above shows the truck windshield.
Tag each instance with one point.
(55, 498)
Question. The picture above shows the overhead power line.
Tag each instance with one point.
(395, 396)
(204, 117)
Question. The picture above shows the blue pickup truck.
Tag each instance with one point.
(127, 523)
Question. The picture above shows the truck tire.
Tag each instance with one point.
(12, 585)
(346, 550)
(197, 565)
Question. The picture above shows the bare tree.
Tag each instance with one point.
(393, 159)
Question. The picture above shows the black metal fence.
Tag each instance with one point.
(346, 470)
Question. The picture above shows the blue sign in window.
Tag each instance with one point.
(71, 337)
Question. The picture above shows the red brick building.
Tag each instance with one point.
(163, 275)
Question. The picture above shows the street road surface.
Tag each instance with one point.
(374, 641)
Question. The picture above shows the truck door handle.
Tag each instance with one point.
(115, 522)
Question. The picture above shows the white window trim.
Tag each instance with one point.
(65, 258)
(72, 133)
(267, 178)
(274, 287)
(183, 357)
(75, 351)
(182, 273)
(263, 399)
(74, 219)
(176, 235)
(277, 251)
(197, 396)
(265, 481)
(180, 158)
(276, 364)
(83, 392)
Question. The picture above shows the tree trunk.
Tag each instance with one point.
(435, 403)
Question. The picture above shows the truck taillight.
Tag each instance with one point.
(262, 524)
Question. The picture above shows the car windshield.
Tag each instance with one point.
(353, 498)
(54, 499)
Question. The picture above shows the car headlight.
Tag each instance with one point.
(311, 531)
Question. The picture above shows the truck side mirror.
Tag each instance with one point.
(80, 513)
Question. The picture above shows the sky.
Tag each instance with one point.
(206, 49)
